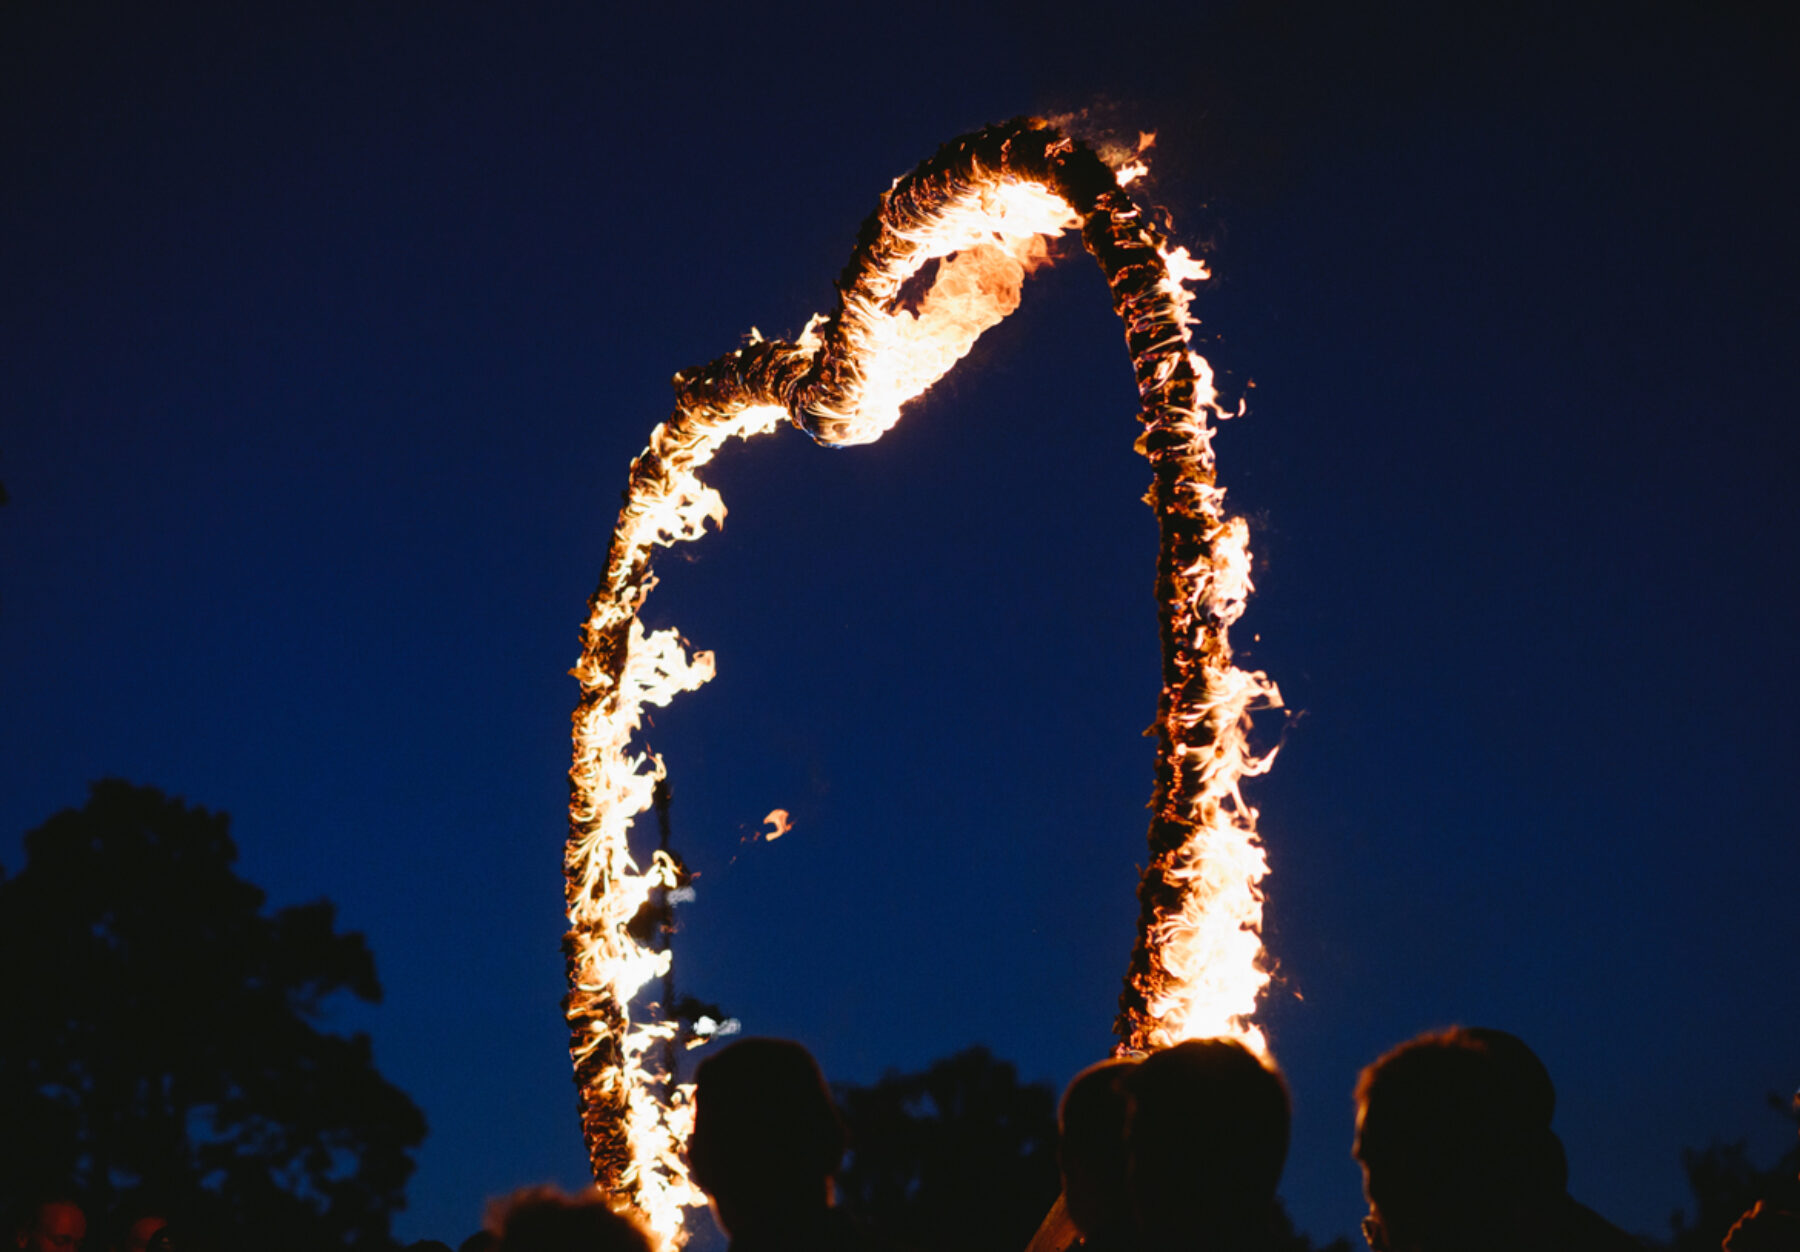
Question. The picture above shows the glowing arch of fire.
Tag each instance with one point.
(980, 208)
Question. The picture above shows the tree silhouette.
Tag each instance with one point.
(962, 1157)
(1725, 1183)
(959, 1157)
(164, 1033)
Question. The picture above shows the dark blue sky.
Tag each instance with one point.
(329, 333)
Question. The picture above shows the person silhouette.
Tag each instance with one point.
(1206, 1136)
(53, 1222)
(141, 1224)
(1453, 1136)
(1091, 1155)
(544, 1219)
(766, 1141)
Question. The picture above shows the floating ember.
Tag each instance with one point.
(981, 209)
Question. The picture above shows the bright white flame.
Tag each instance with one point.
(988, 240)
(1206, 956)
(611, 785)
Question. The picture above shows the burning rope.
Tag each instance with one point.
(979, 209)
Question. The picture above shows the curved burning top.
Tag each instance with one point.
(978, 211)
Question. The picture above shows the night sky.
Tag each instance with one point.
(329, 333)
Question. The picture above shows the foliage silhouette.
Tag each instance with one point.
(164, 1034)
(959, 1157)
(962, 1157)
(1725, 1184)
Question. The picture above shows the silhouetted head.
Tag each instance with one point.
(1207, 1136)
(52, 1222)
(141, 1224)
(767, 1137)
(1528, 1082)
(1453, 1135)
(1091, 1148)
(544, 1219)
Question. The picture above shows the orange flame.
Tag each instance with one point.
(981, 209)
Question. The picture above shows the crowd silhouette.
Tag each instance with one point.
(1178, 1151)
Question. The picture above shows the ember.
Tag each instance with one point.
(981, 208)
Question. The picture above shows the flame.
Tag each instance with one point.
(990, 238)
(778, 821)
(981, 209)
(1128, 169)
(622, 669)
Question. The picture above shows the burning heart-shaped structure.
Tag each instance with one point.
(941, 260)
